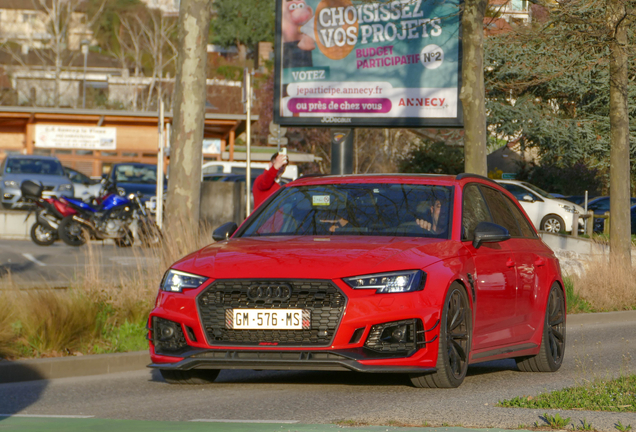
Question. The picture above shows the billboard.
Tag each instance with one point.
(75, 137)
(368, 63)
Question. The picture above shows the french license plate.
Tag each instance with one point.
(267, 319)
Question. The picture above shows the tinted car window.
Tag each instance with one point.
(76, 176)
(524, 224)
(474, 211)
(517, 191)
(142, 174)
(500, 211)
(34, 166)
(356, 209)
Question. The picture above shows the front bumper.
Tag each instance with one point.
(334, 360)
(373, 333)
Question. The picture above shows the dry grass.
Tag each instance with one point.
(607, 287)
(99, 307)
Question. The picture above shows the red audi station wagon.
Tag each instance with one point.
(415, 274)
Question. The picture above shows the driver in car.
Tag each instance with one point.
(433, 221)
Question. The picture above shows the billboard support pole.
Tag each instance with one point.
(342, 151)
(247, 89)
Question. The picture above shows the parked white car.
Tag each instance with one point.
(84, 186)
(546, 212)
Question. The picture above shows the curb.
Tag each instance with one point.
(98, 364)
(65, 367)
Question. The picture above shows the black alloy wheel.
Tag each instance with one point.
(552, 349)
(72, 232)
(454, 343)
(42, 235)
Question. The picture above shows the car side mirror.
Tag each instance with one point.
(488, 232)
(224, 231)
(527, 198)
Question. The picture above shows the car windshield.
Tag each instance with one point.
(136, 174)
(356, 209)
(540, 191)
(34, 166)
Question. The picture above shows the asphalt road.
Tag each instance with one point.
(599, 346)
(27, 265)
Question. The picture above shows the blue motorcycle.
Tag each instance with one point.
(109, 218)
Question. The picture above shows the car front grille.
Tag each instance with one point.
(48, 188)
(321, 298)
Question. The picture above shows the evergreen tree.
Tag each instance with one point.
(243, 24)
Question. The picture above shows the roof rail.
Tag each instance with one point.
(470, 175)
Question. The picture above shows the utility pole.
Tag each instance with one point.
(85, 44)
(159, 200)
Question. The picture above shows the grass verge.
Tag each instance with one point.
(617, 395)
(99, 312)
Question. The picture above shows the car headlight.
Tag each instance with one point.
(394, 282)
(66, 187)
(11, 184)
(567, 208)
(177, 281)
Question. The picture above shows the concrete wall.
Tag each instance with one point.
(222, 202)
(13, 225)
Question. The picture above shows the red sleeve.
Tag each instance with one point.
(266, 180)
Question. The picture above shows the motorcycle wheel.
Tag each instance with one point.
(72, 232)
(149, 233)
(42, 236)
(126, 240)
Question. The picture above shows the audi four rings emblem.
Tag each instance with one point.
(280, 292)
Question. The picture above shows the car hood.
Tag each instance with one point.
(46, 180)
(571, 204)
(309, 257)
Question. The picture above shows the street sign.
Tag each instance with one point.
(275, 129)
(277, 141)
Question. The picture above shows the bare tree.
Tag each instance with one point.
(62, 16)
(473, 93)
(184, 188)
(618, 21)
(156, 33)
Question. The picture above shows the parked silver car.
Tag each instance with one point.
(45, 169)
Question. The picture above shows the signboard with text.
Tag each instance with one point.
(75, 137)
(368, 63)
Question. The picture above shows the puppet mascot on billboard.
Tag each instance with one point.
(297, 46)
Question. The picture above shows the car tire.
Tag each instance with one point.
(72, 232)
(7, 206)
(553, 224)
(42, 236)
(190, 377)
(552, 349)
(454, 343)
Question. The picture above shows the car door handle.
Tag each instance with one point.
(539, 262)
(510, 262)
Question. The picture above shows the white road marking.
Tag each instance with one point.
(33, 259)
(246, 421)
(45, 416)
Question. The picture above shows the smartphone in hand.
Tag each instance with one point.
(283, 151)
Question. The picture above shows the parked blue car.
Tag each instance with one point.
(44, 169)
(601, 205)
(137, 178)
